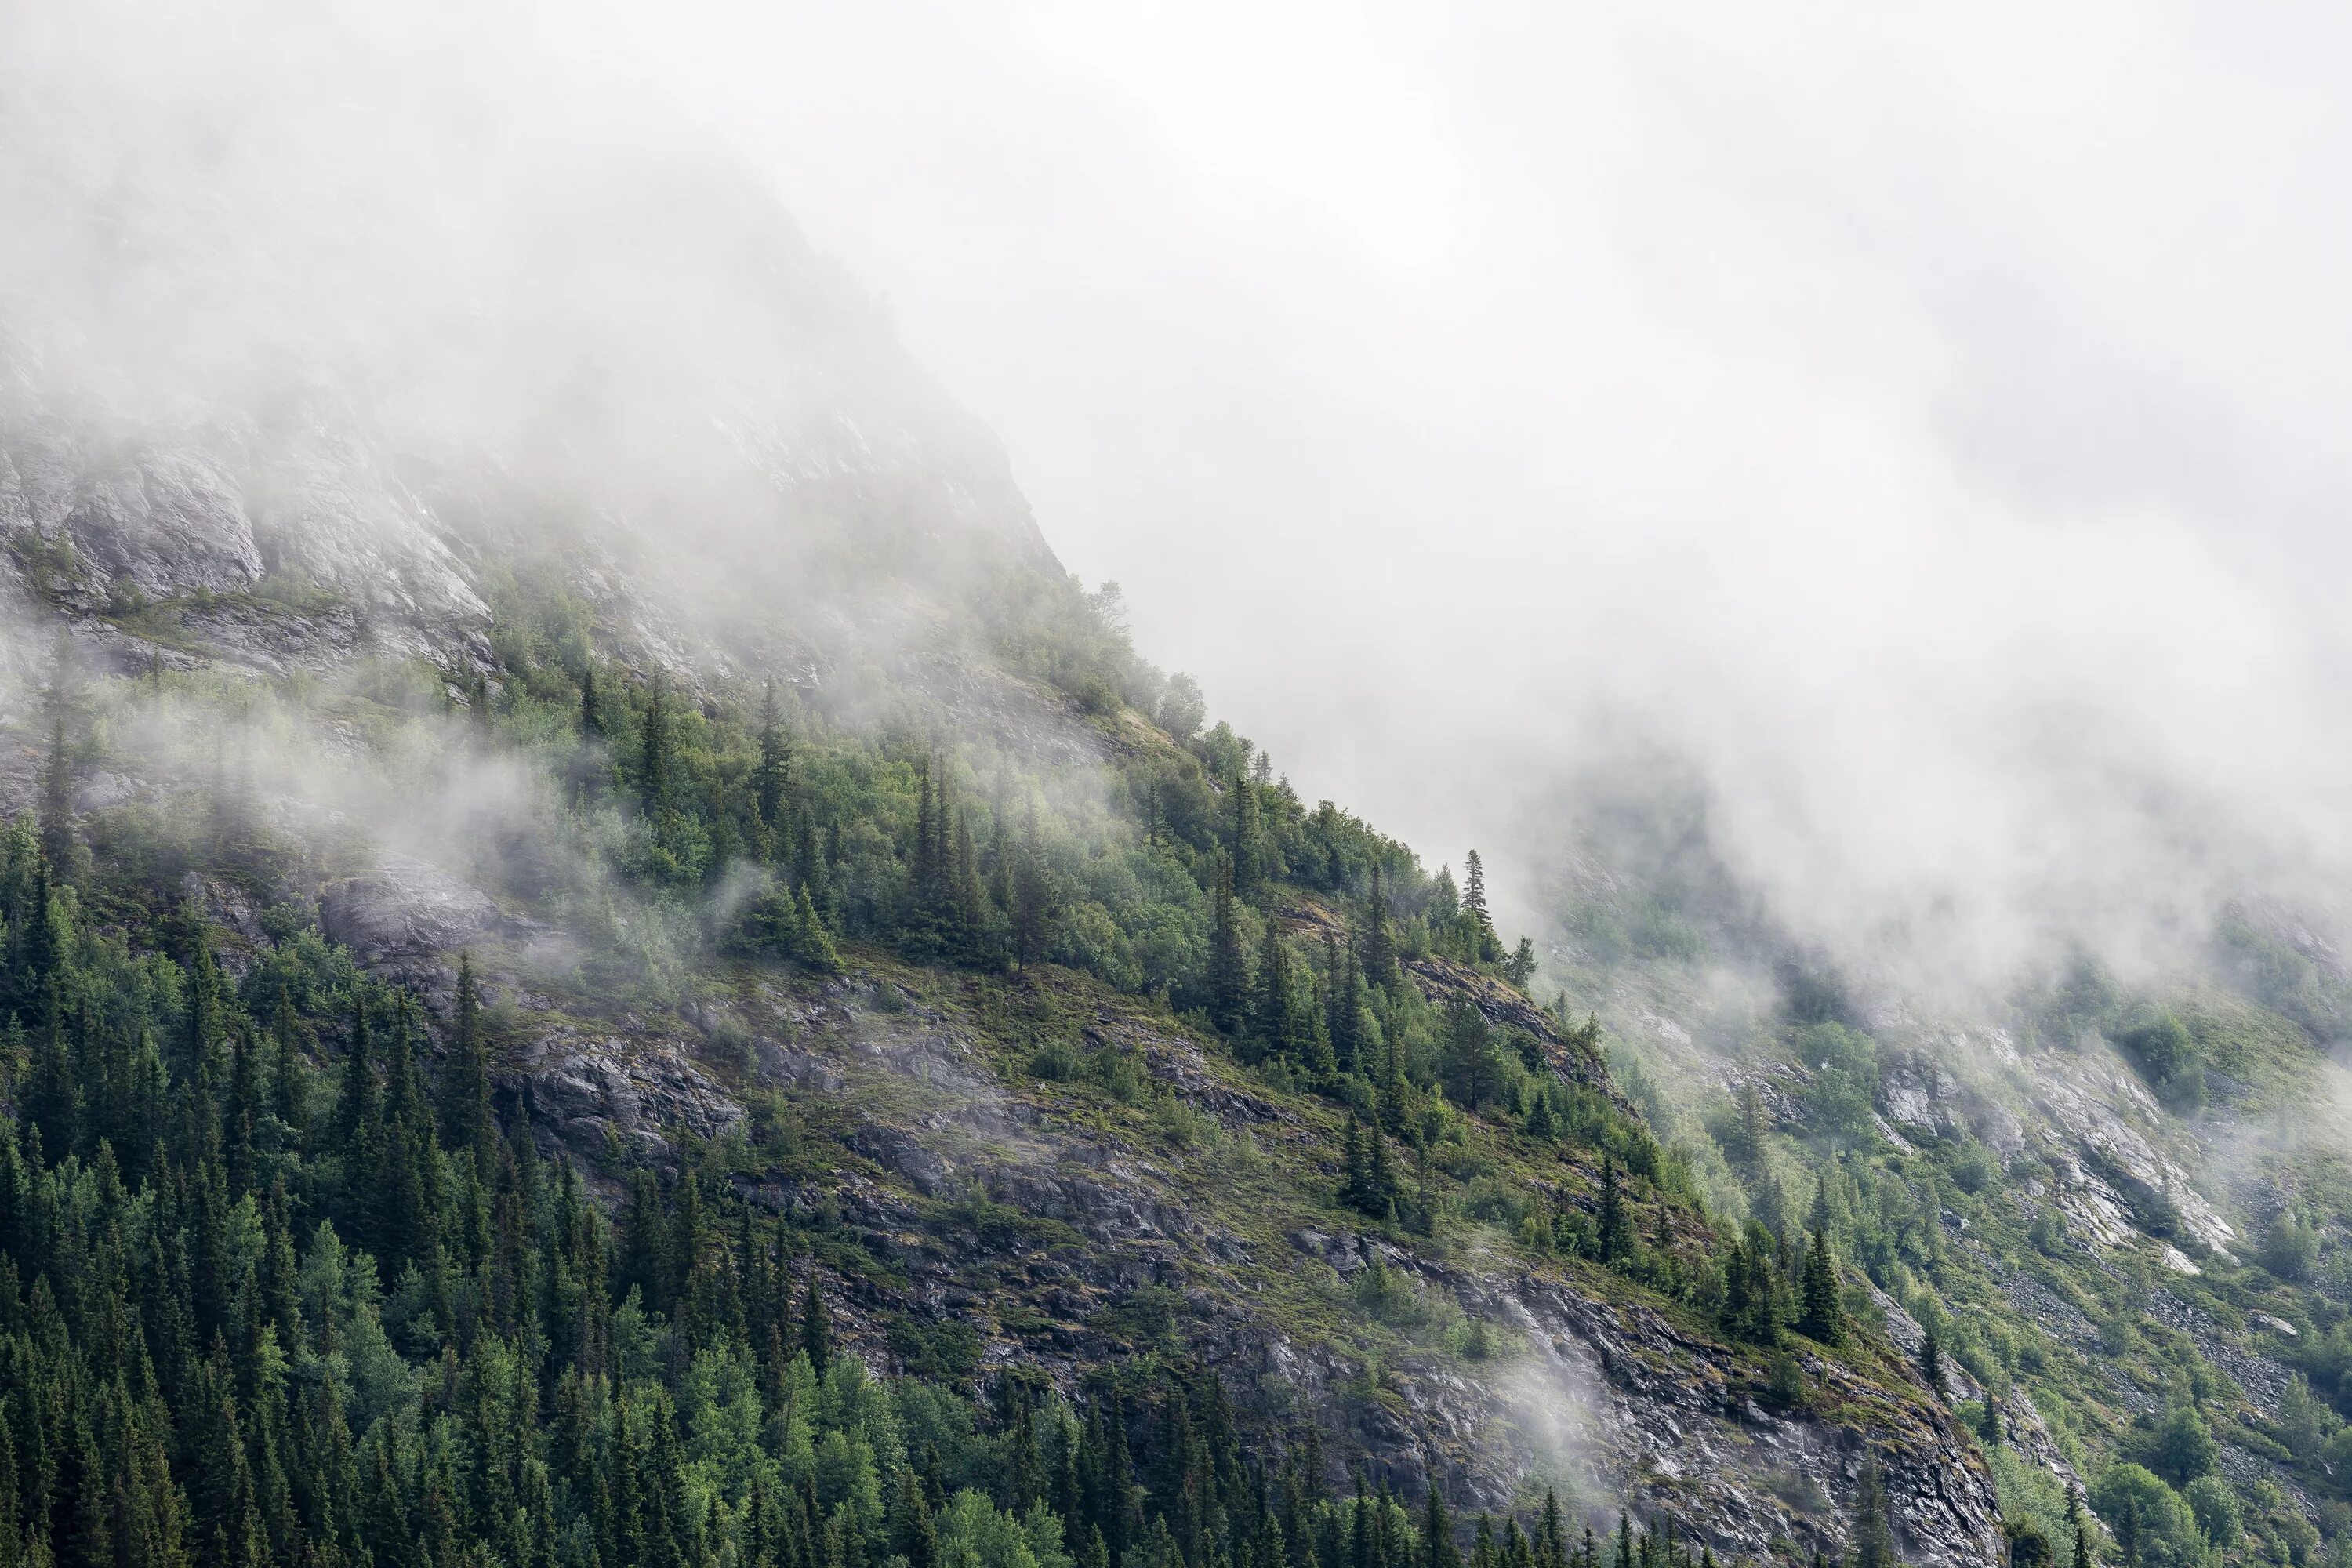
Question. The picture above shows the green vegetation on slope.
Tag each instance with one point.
(2192, 1396)
(286, 1278)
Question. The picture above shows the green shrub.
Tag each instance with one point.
(2288, 1248)
(2177, 1445)
(2161, 1046)
(2215, 1508)
(2151, 1524)
(1974, 1168)
(1845, 1064)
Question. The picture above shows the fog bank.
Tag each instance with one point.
(1932, 428)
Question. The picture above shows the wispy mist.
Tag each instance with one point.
(1930, 429)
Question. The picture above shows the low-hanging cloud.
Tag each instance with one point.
(1929, 428)
(1925, 426)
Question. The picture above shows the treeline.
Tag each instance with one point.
(964, 855)
(1165, 872)
(260, 1305)
(1171, 881)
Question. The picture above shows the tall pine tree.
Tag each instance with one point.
(1228, 977)
(1824, 1311)
(467, 1121)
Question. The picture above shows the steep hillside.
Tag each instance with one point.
(2116, 1209)
(412, 844)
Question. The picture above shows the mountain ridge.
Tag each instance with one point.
(854, 884)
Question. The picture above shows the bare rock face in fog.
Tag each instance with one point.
(585, 1092)
(227, 436)
(404, 909)
(136, 521)
(713, 451)
(202, 543)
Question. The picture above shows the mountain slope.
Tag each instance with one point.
(776, 841)
(2117, 1206)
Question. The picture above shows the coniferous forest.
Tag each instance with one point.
(287, 1277)
(605, 962)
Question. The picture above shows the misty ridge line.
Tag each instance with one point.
(523, 804)
(502, 276)
(459, 535)
(612, 405)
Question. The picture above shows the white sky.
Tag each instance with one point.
(1933, 423)
(1936, 421)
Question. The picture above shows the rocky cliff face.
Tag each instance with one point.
(2092, 1232)
(1146, 1189)
(185, 550)
(1139, 1189)
(1068, 1226)
(653, 377)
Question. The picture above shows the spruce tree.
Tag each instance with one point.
(1751, 1129)
(245, 1110)
(688, 1241)
(1931, 1362)
(1540, 1124)
(201, 1129)
(1316, 1057)
(1736, 1305)
(1355, 1175)
(1389, 1085)
(1438, 1548)
(592, 708)
(1484, 946)
(1228, 977)
(287, 1075)
(52, 1095)
(971, 915)
(1381, 1175)
(355, 1105)
(816, 1328)
(1248, 837)
(1368, 1181)
(809, 864)
(654, 749)
(946, 919)
(467, 1120)
(772, 777)
(1824, 1309)
(913, 1534)
(1764, 1292)
(1274, 1025)
(1341, 985)
(642, 1264)
(1615, 1226)
(812, 943)
(40, 940)
(1033, 895)
(1378, 945)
